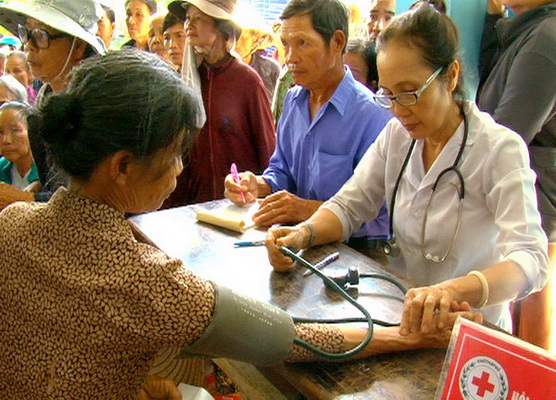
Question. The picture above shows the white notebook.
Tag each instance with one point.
(230, 216)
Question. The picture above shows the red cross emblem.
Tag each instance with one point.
(482, 383)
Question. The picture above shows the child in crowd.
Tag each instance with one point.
(16, 166)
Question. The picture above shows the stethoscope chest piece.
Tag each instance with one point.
(391, 247)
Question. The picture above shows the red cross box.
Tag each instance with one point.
(485, 364)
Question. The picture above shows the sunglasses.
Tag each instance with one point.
(39, 37)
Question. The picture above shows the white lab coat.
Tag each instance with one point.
(499, 221)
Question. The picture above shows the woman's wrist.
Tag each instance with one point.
(467, 288)
(484, 285)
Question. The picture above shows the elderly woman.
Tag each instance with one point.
(155, 43)
(138, 21)
(85, 308)
(18, 67)
(239, 126)
(53, 45)
(360, 58)
(16, 166)
(56, 35)
(11, 89)
(461, 194)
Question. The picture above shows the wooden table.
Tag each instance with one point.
(209, 252)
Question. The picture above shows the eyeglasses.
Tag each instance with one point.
(405, 99)
(40, 37)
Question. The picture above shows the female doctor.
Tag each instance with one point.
(460, 191)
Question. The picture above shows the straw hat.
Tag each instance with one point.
(218, 9)
(77, 18)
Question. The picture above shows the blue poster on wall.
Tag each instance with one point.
(270, 10)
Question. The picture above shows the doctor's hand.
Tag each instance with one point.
(248, 185)
(440, 338)
(455, 310)
(282, 207)
(429, 308)
(295, 238)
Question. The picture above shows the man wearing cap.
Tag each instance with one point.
(328, 122)
(57, 35)
(239, 127)
(138, 21)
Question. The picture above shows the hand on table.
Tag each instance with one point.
(431, 308)
(295, 238)
(248, 185)
(282, 207)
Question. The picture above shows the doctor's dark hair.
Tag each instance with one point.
(127, 100)
(328, 16)
(430, 32)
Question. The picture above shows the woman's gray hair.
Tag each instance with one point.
(18, 91)
(128, 100)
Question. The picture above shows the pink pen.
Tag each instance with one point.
(235, 175)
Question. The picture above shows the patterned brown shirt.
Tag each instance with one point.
(84, 307)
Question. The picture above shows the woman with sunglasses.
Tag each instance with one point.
(56, 36)
(460, 191)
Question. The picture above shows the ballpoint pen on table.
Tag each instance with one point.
(249, 244)
(327, 260)
(235, 175)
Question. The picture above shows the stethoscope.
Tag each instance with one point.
(391, 246)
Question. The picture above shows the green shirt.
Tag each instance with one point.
(6, 172)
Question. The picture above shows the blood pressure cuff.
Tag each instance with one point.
(244, 329)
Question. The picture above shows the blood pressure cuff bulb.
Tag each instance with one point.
(244, 329)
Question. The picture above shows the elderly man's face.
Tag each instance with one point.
(308, 57)
(380, 15)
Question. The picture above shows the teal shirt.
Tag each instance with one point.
(6, 172)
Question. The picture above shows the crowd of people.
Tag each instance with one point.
(369, 140)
